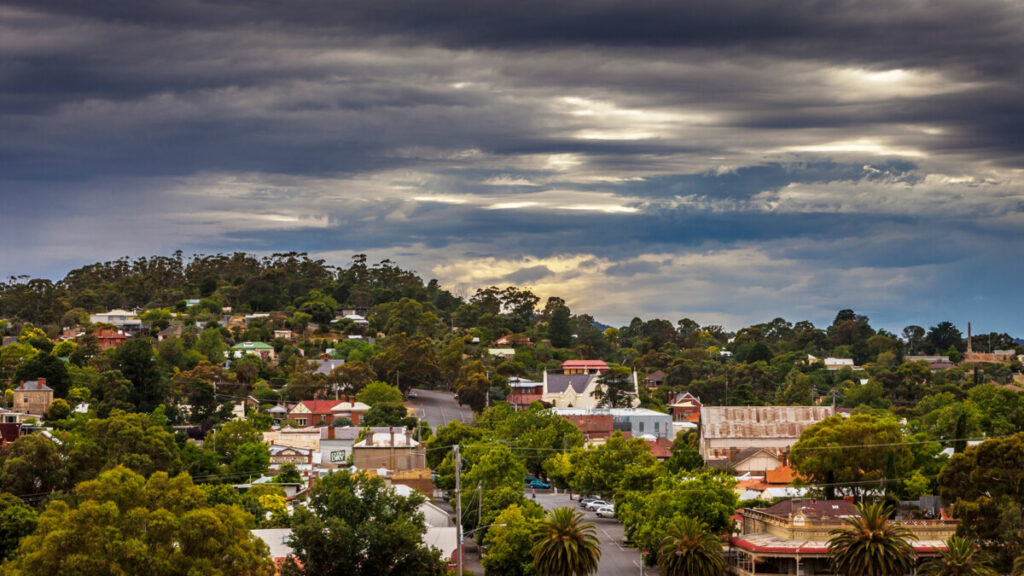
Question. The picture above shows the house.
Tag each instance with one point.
(276, 540)
(791, 537)
(336, 445)
(313, 412)
(935, 363)
(307, 438)
(654, 379)
(289, 455)
(576, 389)
(661, 448)
(358, 319)
(524, 392)
(33, 397)
(502, 352)
(121, 319)
(585, 367)
(285, 334)
(391, 448)
(725, 430)
(637, 421)
(278, 413)
(263, 350)
(351, 409)
(834, 364)
(685, 407)
(172, 331)
(248, 318)
(107, 338)
(326, 365)
(593, 426)
(749, 460)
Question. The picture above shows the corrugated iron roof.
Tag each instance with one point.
(760, 421)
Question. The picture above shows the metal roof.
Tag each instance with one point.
(760, 421)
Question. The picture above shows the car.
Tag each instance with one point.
(605, 511)
(413, 395)
(539, 484)
(531, 478)
(587, 500)
(597, 504)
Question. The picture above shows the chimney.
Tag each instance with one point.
(40, 383)
(969, 348)
(391, 431)
(369, 436)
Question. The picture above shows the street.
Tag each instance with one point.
(616, 558)
(438, 407)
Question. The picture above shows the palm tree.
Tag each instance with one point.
(689, 549)
(871, 545)
(960, 558)
(564, 545)
(1018, 566)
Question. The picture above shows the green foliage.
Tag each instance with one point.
(563, 544)
(598, 470)
(58, 410)
(689, 549)
(871, 545)
(288, 474)
(33, 466)
(706, 496)
(121, 523)
(380, 393)
(509, 543)
(17, 520)
(45, 365)
(354, 524)
(850, 451)
(960, 558)
(616, 388)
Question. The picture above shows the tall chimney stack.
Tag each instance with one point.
(969, 347)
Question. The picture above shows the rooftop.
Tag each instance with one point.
(252, 346)
(760, 421)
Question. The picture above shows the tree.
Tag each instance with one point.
(852, 451)
(706, 496)
(121, 523)
(690, 549)
(870, 545)
(58, 410)
(354, 524)
(471, 386)
(410, 361)
(960, 558)
(17, 520)
(136, 361)
(564, 545)
(685, 456)
(509, 542)
(598, 469)
(615, 388)
(33, 466)
(288, 474)
(943, 336)
(380, 393)
(135, 441)
(44, 365)
(559, 332)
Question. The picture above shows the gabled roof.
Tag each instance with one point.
(326, 366)
(33, 386)
(558, 383)
(816, 509)
(318, 406)
(782, 475)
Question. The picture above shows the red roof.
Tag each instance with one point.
(108, 334)
(660, 448)
(584, 364)
(782, 475)
(320, 406)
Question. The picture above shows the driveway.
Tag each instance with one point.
(438, 407)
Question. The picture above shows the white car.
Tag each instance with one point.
(605, 511)
(597, 504)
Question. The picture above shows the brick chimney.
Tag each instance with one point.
(391, 431)
(40, 383)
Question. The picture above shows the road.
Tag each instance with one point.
(438, 407)
(616, 558)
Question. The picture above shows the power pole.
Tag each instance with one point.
(458, 509)
(479, 503)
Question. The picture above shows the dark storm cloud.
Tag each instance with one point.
(782, 147)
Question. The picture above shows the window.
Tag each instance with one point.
(641, 426)
(657, 428)
(300, 421)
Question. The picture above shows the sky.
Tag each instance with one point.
(727, 161)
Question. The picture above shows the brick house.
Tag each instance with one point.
(33, 397)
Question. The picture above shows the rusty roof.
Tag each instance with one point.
(760, 421)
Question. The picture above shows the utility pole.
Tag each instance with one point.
(458, 509)
(479, 503)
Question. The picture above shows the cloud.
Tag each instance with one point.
(741, 159)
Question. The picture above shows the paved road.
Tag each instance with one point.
(438, 407)
(616, 558)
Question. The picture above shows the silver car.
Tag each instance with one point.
(597, 504)
(605, 511)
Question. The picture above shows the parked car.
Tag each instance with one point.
(539, 484)
(597, 504)
(605, 511)
(587, 500)
(531, 478)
